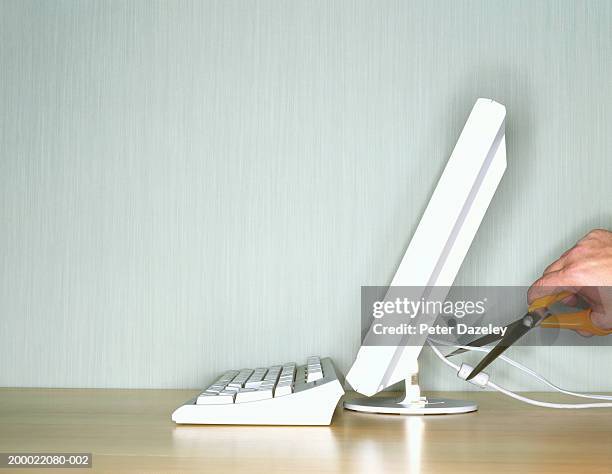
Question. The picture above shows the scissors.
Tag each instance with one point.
(538, 314)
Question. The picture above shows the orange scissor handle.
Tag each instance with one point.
(549, 300)
(580, 320)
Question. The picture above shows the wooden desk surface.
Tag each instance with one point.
(131, 431)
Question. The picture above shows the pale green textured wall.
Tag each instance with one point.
(187, 187)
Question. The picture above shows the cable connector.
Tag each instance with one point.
(481, 380)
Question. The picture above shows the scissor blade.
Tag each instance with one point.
(509, 338)
(484, 340)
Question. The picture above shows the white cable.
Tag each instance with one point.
(547, 404)
(520, 397)
(528, 371)
(441, 356)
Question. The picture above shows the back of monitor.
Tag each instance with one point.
(442, 239)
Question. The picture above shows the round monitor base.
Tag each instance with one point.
(393, 405)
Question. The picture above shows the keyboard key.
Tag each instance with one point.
(283, 389)
(314, 374)
(256, 378)
(241, 378)
(314, 369)
(222, 399)
(253, 394)
(273, 374)
(287, 372)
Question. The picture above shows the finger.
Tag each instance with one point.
(564, 260)
(557, 265)
(550, 284)
(601, 320)
(571, 300)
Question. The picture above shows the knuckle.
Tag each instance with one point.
(579, 249)
(569, 272)
(596, 233)
(573, 273)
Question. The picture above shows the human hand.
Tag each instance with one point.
(586, 271)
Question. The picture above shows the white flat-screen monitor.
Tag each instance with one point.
(442, 238)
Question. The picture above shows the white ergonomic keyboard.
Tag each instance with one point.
(278, 395)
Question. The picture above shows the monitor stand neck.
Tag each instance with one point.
(412, 391)
(411, 402)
